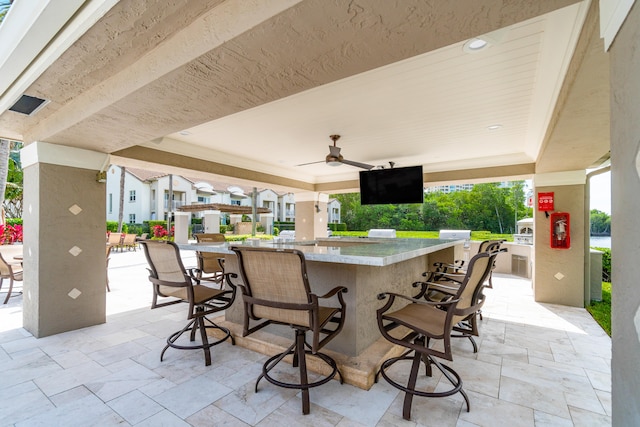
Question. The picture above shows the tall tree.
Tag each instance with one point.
(5, 5)
(600, 222)
(13, 191)
(5, 150)
(121, 207)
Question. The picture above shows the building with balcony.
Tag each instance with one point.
(146, 197)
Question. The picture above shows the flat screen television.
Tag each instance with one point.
(391, 186)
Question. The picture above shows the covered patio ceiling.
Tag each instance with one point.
(245, 91)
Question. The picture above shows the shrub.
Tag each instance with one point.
(112, 226)
(243, 237)
(161, 233)
(10, 234)
(136, 229)
(338, 227)
(606, 263)
(14, 221)
(285, 225)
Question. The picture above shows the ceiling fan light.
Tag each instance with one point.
(333, 160)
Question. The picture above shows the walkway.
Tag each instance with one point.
(538, 365)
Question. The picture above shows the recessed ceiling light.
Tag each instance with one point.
(184, 132)
(494, 127)
(475, 45)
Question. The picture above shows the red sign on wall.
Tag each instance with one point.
(545, 201)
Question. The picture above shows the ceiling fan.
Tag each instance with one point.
(334, 158)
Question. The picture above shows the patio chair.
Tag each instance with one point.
(443, 286)
(115, 239)
(129, 242)
(210, 266)
(458, 265)
(170, 279)
(108, 258)
(143, 236)
(417, 323)
(11, 271)
(276, 290)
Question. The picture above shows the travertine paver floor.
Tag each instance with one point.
(537, 365)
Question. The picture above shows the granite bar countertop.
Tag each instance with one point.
(343, 250)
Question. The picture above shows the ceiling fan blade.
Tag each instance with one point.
(310, 163)
(357, 164)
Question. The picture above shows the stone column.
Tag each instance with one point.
(235, 219)
(267, 222)
(624, 56)
(311, 215)
(212, 221)
(64, 239)
(181, 227)
(559, 273)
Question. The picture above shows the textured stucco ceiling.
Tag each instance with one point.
(252, 89)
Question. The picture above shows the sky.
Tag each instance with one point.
(601, 192)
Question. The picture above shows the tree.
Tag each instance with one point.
(121, 207)
(487, 207)
(4, 166)
(5, 5)
(13, 192)
(600, 222)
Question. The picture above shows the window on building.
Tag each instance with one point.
(132, 195)
(132, 218)
(203, 199)
(110, 202)
(235, 202)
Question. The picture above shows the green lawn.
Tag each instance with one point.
(601, 310)
(475, 235)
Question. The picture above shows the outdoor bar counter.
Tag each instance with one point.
(365, 266)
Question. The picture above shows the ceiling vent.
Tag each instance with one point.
(28, 105)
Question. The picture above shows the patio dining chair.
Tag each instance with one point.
(442, 286)
(417, 323)
(115, 239)
(210, 266)
(107, 266)
(11, 271)
(457, 267)
(171, 280)
(129, 242)
(276, 290)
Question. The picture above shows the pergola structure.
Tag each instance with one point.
(249, 92)
(231, 209)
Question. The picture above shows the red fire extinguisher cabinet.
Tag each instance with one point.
(560, 230)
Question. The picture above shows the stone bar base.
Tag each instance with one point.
(358, 371)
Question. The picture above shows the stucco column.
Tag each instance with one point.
(267, 222)
(181, 227)
(212, 221)
(559, 273)
(311, 215)
(64, 239)
(625, 225)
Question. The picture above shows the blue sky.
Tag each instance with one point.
(601, 192)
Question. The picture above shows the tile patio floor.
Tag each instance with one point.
(538, 365)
